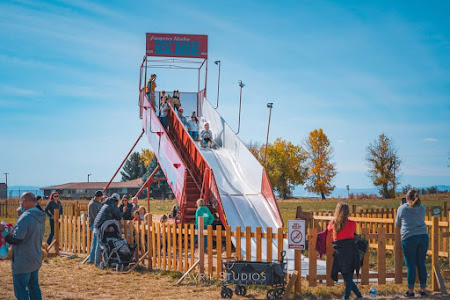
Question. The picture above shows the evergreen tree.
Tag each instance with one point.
(164, 187)
(134, 167)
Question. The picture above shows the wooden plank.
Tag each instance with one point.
(258, 244)
(150, 240)
(83, 234)
(56, 230)
(280, 238)
(440, 280)
(312, 257)
(381, 255)
(290, 285)
(298, 268)
(398, 256)
(174, 247)
(201, 245)
(192, 242)
(169, 245)
(179, 259)
(329, 259)
(154, 240)
(66, 225)
(88, 237)
(435, 253)
(186, 247)
(228, 242)
(188, 271)
(165, 244)
(238, 243)
(269, 256)
(210, 248)
(219, 251)
(248, 243)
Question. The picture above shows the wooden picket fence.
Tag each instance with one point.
(170, 246)
(8, 208)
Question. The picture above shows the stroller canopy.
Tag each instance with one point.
(110, 229)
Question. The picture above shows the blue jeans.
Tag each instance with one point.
(415, 251)
(350, 286)
(164, 122)
(94, 254)
(52, 231)
(26, 286)
(193, 134)
(95, 251)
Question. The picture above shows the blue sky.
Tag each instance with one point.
(69, 73)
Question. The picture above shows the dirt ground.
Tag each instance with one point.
(65, 278)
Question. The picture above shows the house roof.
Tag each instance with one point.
(136, 183)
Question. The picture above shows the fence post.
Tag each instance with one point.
(150, 241)
(329, 261)
(381, 255)
(201, 246)
(398, 255)
(365, 267)
(435, 253)
(248, 243)
(56, 229)
(312, 257)
(298, 268)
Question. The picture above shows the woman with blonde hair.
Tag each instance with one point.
(52, 205)
(411, 220)
(346, 255)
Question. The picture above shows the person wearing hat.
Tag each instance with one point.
(93, 209)
(182, 117)
(109, 211)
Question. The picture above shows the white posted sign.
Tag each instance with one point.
(296, 234)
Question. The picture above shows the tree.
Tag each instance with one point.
(147, 156)
(164, 187)
(256, 149)
(406, 188)
(134, 167)
(384, 165)
(321, 169)
(285, 166)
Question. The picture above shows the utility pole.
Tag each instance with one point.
(89, 176)
(217, 62)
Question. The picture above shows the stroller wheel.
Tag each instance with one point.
(226, 293)
(240, 290)
(272, 295)
(279, 291)
(102, 265)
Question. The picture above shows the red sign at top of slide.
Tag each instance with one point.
(177, 45)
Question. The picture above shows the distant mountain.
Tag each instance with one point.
(342, 192)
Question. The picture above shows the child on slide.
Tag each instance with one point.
(207, 138)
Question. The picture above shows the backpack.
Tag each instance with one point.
(321, 243)
(362, 245)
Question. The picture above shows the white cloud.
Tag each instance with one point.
(430, 140)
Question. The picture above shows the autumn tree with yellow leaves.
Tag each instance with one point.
(321, 170)
(146, 156)
(384, 165)
(285, 165)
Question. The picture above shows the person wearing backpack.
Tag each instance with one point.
(415, 240)
(346, 254)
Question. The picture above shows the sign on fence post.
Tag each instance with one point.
(296, 234)
(436, 211)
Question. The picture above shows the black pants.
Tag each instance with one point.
(350, 286)
(52, 231)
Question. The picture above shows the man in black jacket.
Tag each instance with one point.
(109, 211)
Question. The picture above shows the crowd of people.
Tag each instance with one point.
(28, 232)
(167, 102)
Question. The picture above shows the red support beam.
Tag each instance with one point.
(148, 182)
(123, 162)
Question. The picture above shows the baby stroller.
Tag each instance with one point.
(115, 250)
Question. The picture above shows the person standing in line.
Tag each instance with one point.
(150, 90)
(346, 255)
(53, 203)
(415, 240)
(208, 218)
(93, 209)
(109, 211)
(135, 203)
(26, 240)
(125, 208)
(163, 112)
(38, 203)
